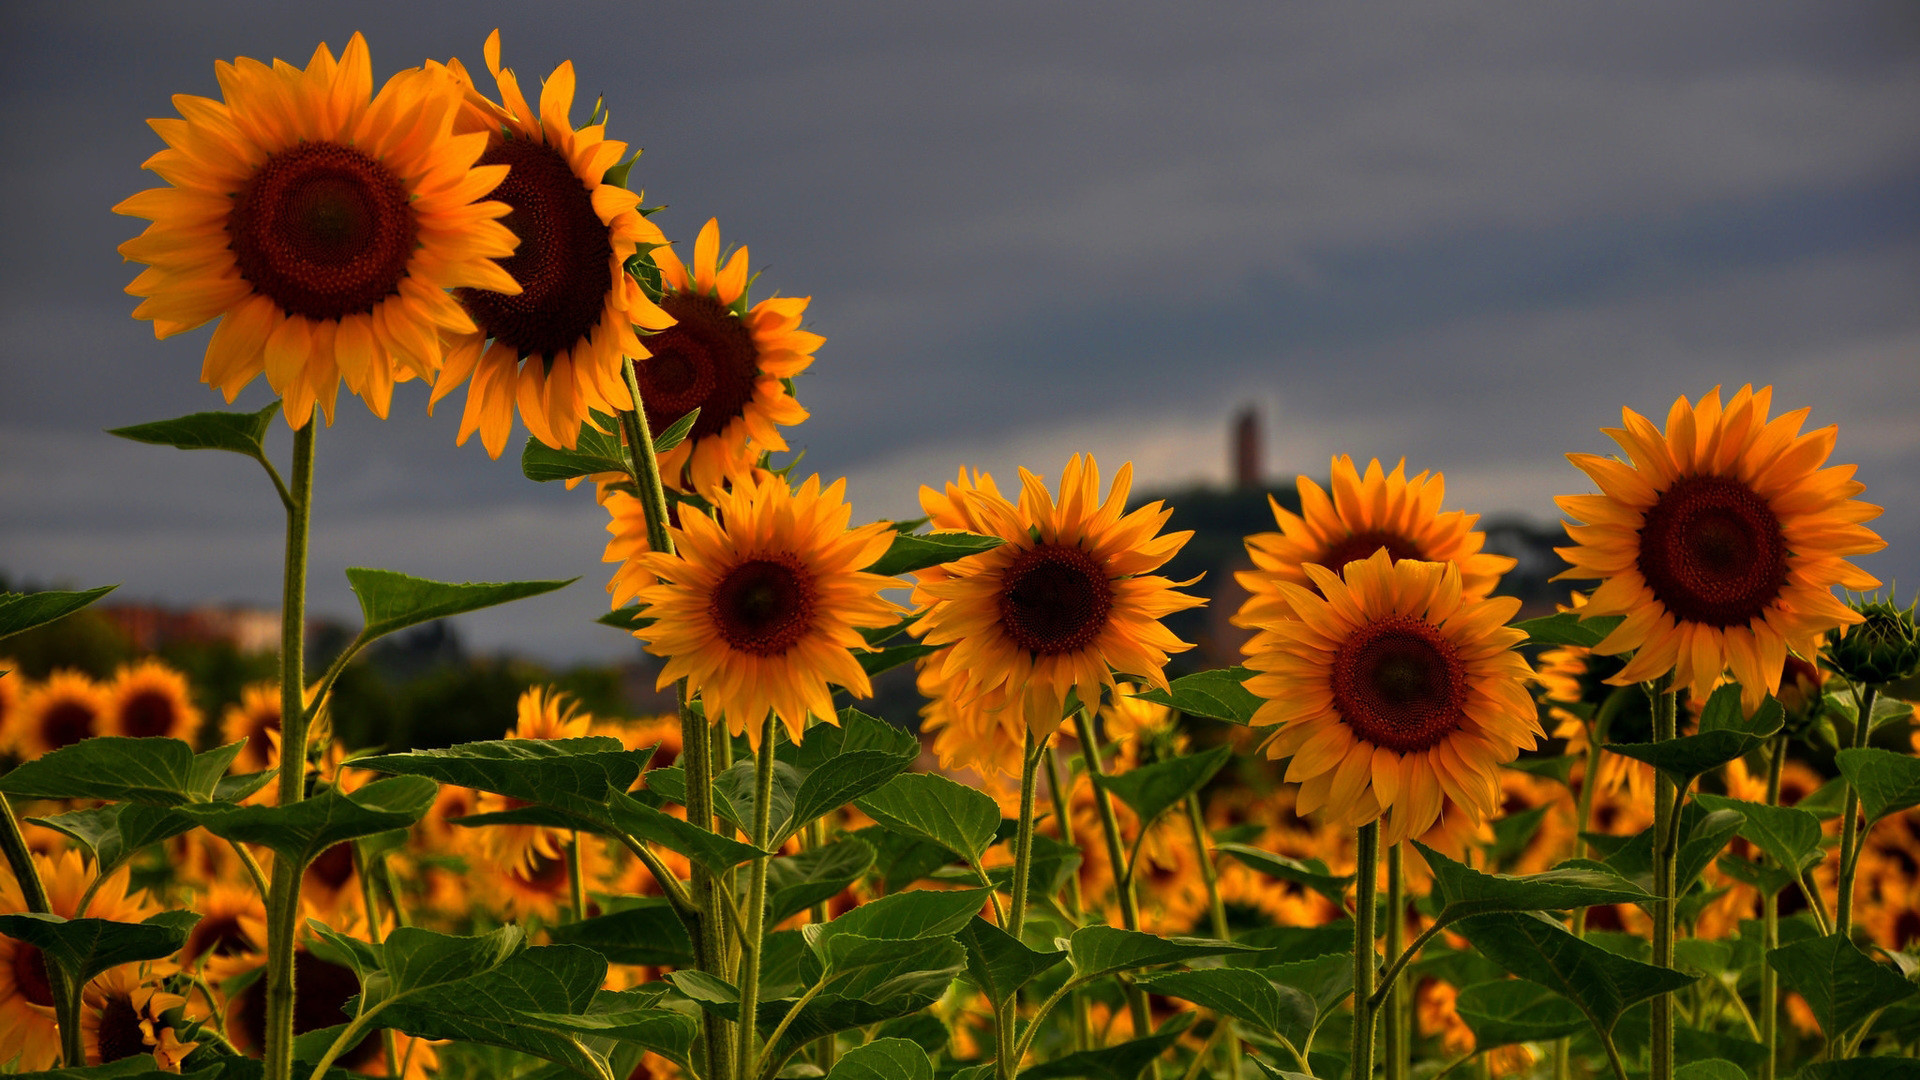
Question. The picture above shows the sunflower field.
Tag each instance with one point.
(1672, 831)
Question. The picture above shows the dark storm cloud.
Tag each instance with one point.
(1467, 235)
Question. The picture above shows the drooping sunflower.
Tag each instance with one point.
(730, 362)
(1366, 512)
(762, 609)
(67, 707)
(541, 713)
(1720, 542)
(322, 224)
(1066, 602)
(1395, 693)
(149, 698)
(552, 343)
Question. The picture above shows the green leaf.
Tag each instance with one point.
(574, 776)
(648, 933)
(242, 433)
(878, 969)
(1243, 994)
(1000, 965)
(116, 832)
(1123, 1061)
(1568, 628)
(1284, 944)
(1540, 950)
(595, 451)
(1326, 980)
(1790, 837)
(1842, 985)
(301, 831)
(1768, 879)
(1726, 732)
(392, 601)
(715, 852)
(1874, 1068)
(929, 807)
(1105, 950)
(676, 432)
(835, 783)
(917, 551)
(856, 731)
(1705, 833)
(1465, 892)
(155, 771)
(1047, 869)
(1887, 782)
(627, 618)
(1710, 1069)
(1509, 1011)
(873, 663)
(24, 611)
(1215, 695)
(797, 882)
(417, 959)
(1307, 873)
(884, 1059)
(527, 1004)
(83, 948)
(629, 1017)
(1150, 789)
(923, 913)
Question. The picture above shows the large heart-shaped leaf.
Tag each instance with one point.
(155, 771)
(1150, 789)
(1842, 985)
(83, 948)
(1216, 695)
(917, 551)
(1603, 985)
(1105, 950)
(929, 807)
(1725, 733)
(1887, 782)
(1000, 965)
(301, 831)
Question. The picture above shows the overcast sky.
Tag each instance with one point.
(1466, 234)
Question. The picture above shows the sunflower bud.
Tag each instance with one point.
(1883, 648)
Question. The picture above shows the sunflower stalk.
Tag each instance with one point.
(1217, 915)
(1116, 855)
(747, 1055)
(1770, 933)
(1395, 1049)
(1666, 810)
(1017, 918)
(1851, 838)
(1058, 786)
(66, 999)
(1365, 961)
(389, 1040)
(696, 759)
(283, 893)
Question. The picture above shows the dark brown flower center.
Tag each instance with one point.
(545, 875)
(333, 869)
(322, 230)
(705, 361)
(562, 261)
(66, 723)
(764, 606)
(1712, 551)
(1054, 599)
(1397, 683)
(219, 935)
(30, 974)
(120, 1034)
(149, 713)
(1362, 545)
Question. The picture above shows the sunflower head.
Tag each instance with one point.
(1720, 541)
(321, 223)
(549, 334)
(67, 707)
(1068, 599)
(1884, 647)
(733, 363)
(1394, 693)
(1366, 512)
(148, 699)
(760, 608)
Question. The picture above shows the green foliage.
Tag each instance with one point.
(917, 551)
(905, 916)
(797, 882)
(573, 776)
(1540, 950)
(884, 1059)
(925, 806)
(156, 771)
(1789, 836)
(646, 932)
(392, 601)
(1887, 782)
(1246, 995)
(1842, 985)
(1151, 789)
(1106, 950)
(301, 831)
(1710, 1069)
(24, 611)
(1000, 965)
(242, 433)
(1509, 1011)
(1568, 628)
(1122, 1061)
(1215, 695)
(1308, 873)
(1725, 733)
(597, 449)
(1465, 891)
(113, 834)
(83, 948)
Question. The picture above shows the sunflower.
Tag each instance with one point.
(552, 342)
(730, 362)
(10, 688)
(1068, 600)
(149, 698)
(1395, 693)
(321, 223)
(255, 718)
(762, 609)
(120, 1016)
(1366, 512)
(542, 713)
(1720, 542)
(29, 1038)
(231, 936)
(59, 712)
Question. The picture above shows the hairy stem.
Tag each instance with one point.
(1217, 916)
(1666, 810)
(1116, 855)
(66, 999)
(747, 1054)
(1365, 961)
(1396, 1049)
(1058, 786)
(1850, 838)
(1770, 934)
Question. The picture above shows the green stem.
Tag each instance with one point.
(1017, 920)
(1665, 858)
(1850, 837)
(1396, 1048)
(747, 1052)
(283, 894)
(389, 1042)
(696, 759)
(1058, 785)
(1116, 858)
(1366, 962)
(1770, 935)
(1399, 963)
(1217, 915)
(1583, 823)
(66, 998)
(576, 880)
(772, 1065)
